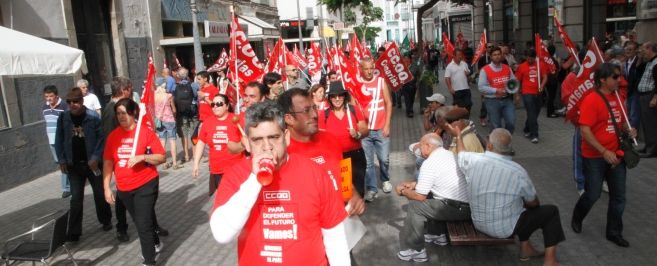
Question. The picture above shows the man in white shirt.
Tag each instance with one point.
(456, 78)
(90, 99)
(439, 194)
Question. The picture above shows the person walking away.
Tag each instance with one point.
(184, 98)
(165, 111)
(51, 110)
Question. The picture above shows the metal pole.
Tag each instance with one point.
(299, 27)
(198, 57)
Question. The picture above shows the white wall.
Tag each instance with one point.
(42, 18)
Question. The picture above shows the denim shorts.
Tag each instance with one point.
(168, 130)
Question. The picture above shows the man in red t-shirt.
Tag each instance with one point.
(603, 159)
(205, 96)
(529, 77)
(297, 219)
(307, 140)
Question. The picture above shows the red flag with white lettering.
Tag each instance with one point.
(314, 58)
(347, 73)
(584, 81)
(565, 38)
(245, 60)
(147, 105)
(449, 47)
(392, 68)
(296, 60)
(481, 50)
(221, 62)
(543, 55)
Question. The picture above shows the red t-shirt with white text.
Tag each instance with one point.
(594, 113)
(118, 148)
(204, 109)
(323, 149)
(284, 226)
(528, 77)
(216, 134)
(340, 127)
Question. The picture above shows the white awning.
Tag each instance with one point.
(307, 39)
(190, 41)
(259, 29)
(24, 54)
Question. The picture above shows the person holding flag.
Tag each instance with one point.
(132, 156)
(532, 83)
(493, 81)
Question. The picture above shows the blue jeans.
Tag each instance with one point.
(66, 186)
(532, 104)
(597, 170)
(578, 165)
(499, 109)
(376, 143)
(634, 110)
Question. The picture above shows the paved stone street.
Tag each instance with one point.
(183, 208)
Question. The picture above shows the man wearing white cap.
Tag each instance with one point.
(429, 120)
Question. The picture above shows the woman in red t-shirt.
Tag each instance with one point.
(136, 175)
(318, 92)
(223, 138)
(603, 159)
(347, 123)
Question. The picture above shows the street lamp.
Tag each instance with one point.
(198, 58)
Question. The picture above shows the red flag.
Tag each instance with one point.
(314, 58)
(298, 53)
(565, 38)
(347, 73)
(449, 48)
(543, 54)
(356, 48)
(393, 70)
(221, 62)
(412, 45)
(460, 40)
(584, 81)
(245, 60)
(178, 65)
(295, 59)
(146, 106)
(481, 50)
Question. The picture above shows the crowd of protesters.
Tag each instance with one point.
(276, 125)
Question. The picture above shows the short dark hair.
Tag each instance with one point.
(119, 84)
(271, 78)
(316, 87)
(267, 111)
(495, 49)
(285, 99)
(226, 101)
(530, 52)
(131, 107)
(604, 71)
(204, 74)
(551, 49)
(458, 50)
(50, 89)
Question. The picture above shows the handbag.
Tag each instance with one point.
(630, 155)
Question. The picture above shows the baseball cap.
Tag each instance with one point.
(437, 97)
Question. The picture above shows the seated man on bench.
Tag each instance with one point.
(440, 193)
(503, 198)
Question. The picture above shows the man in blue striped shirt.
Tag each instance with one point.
(53, 107)
(503, 199)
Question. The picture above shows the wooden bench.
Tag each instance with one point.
(463, 233)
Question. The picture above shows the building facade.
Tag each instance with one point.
(117, 37)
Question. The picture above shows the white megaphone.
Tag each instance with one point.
(512, 86)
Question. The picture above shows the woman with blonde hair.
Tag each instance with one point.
(165, 112)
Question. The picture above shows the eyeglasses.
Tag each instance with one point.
(294, 69)
(72, 101)
(306, 110)
(217, 104)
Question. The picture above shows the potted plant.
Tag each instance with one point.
(427, 80)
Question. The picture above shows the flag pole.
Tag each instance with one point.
(237, 76)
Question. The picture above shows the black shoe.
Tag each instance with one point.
(122, 236)
(72, 238)
(576, 225)
(161, 231)
(107, 227)
(66, 194)
(409, 115)
(619, 240)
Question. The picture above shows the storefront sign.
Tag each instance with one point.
(292, 23)
(216, 29)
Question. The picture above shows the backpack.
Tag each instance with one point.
(328, 111)
(183, 98)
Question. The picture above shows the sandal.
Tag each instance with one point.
(168, 165)
(178, 166)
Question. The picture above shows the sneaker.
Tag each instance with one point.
(414, 255)
(66, 194)
(605, 188)
(534, 140)
(159, 247)
(440, 240)
(580, 192)
(122, 236)
(370, 196)
(527, 134)
(161, 231)
(387, 187)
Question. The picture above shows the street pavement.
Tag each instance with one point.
(183, 208)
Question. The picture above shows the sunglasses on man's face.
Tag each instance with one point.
(217, 104)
